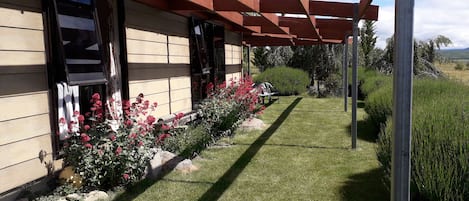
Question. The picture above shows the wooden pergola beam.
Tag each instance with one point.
(337, 9)
(236, 5)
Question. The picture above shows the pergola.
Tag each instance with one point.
(277, 22)
(312, 22)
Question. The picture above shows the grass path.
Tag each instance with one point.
(303, 154)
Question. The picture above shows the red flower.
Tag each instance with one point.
(86, 127)
(126, 176)
(62, 120)
(96, 96)
(85, 138)
(81, 119)
(151, 119)
(140, 95)
(118, 151)
(76, 113)
(155, 104)
(165, 127)
(113, 137)
(163, 136)
(180, 115)
(88, 145)
(140, 143)
(133, 135)
(128, 122)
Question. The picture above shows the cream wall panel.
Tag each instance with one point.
(180, 82)
(136, 58)
(184, 105)
(15, 58)
(24, 128)
(23, 173)
(161, 110)
(180, 94)
(145, 35)
(148, 87)
(23, 105)
(146, 47)
(178, 40)
(21, 19)
(179, 60)
(21, 39)
(24, 150)
(179, 50)
(160, 98)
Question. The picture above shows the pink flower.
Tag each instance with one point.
(155, 104)
(76, 113)
(81, 119)
(113, 137)
(118, 150)
(88, 145)
(86, 127)
(62, 120)
(140, 143)
(151, 119)
(126, 176)
(85, 138)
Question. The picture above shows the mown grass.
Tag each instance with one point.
(303, 154)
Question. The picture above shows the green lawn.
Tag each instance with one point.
(303, 154)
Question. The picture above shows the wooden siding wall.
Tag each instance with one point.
(24, 103)
(159, 58)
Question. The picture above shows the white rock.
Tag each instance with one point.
(186, 166)
(73, 196)
(96, 195)
(252, 124)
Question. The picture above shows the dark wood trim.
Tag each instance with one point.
(123, 49)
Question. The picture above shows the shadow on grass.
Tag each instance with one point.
(225, 181)
(360, 104)
(366, 130)
(367, 186)
(300, 146)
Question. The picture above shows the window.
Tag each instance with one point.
(207, 44)
(80, 39)
(76, 57)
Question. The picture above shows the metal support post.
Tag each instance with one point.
(354, 75)
(402, 100)
(249, 60)
(345, 73)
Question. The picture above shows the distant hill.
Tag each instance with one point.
(456, 54)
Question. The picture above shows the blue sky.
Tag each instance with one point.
(431, 18)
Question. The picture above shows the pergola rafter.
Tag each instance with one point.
(276, 22)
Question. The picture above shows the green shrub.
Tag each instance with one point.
(440, 140)
(370, 84)
(187, 142)
(286, 80)
(378, 105)
(227, 106)
(459, 66)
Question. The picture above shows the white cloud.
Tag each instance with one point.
(431, 18)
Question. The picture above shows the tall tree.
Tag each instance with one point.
(367, 41)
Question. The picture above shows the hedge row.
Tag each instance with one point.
(288, 81)
(440, 135)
